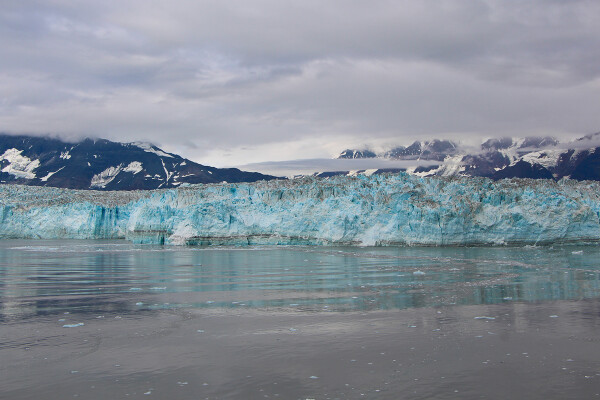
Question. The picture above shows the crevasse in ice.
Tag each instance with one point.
(360, 210)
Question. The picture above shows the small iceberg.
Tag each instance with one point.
(73, 325)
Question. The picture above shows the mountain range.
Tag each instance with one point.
(529, 157)
(104, 165)
(101, 164)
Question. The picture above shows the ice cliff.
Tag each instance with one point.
(360, 210)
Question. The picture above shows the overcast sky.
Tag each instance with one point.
(236, 82)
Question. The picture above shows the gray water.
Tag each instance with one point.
(100, 319)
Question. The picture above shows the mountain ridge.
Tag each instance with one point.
(101, 164)
(537, 157)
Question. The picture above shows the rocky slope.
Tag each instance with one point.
(104, 165)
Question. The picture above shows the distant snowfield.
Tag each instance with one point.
(311, 165)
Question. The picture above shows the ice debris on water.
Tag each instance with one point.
(484, 317)
(577, 252)
(200, 331)
(314, 377)
(418, 273)
(73, 325)
(367, 210)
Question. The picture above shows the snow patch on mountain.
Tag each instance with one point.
(545, 158)
(18, 165)
(45, 178)
(147, 147)
(134, 167)
(105, 177)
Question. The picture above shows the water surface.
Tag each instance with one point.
(100, 319)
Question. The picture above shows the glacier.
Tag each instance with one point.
(376, 210)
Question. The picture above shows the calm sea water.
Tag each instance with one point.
(73, 314)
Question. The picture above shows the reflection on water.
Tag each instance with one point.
(50, 277)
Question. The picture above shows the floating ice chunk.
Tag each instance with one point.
(158, 288)
(200, 331)
(577, 252)
(553, 316)
(418, 273)
(314, 377)
(73, 325)
(139, 303)
(484, 317)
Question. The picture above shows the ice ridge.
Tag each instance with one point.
(357, 210)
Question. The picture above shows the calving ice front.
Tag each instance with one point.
(361, 210)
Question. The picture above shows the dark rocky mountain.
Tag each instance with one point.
(434, 150)
(351, 154)
(104, 165)
(530, 157)
(429, 150)
(523, 169)
(378, 171)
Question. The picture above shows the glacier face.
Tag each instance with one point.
(361, 210)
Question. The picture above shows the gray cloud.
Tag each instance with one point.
(229, 83)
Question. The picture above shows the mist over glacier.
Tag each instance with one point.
(390, 209)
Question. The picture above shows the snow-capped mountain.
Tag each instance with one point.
(419, 150)
(104, 165)
(530, 157)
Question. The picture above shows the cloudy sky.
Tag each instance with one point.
(235, 82)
